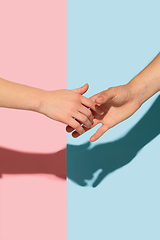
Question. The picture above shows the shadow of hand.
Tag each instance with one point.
(89, 166)
(95, 164)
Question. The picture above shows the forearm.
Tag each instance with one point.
(18, 96)
(147, 82)
(66, 106)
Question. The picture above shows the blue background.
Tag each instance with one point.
(113, 184)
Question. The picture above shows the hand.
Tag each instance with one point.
(118, 104)
(69, 107)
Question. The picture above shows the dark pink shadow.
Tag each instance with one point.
(14, 162)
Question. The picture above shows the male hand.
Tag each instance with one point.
(117, 103)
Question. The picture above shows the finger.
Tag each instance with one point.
(70, 129)
(82, 89)
(105, 95)
(82, 119)
(87, 112)
(94, 97)
(75, 134)
(90, 104)
(99, 179)
(99, 133)
(75, 125)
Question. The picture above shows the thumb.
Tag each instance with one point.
(94, 97)
(82, 89)
(104, 96)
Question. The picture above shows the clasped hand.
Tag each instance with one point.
(116, 103)
(70, 107)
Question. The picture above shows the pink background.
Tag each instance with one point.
(32, 147)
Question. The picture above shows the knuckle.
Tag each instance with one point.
(80, 130)
(111, 90)
(74, 107)
(88, 123)
(89, 113)
(84, 119)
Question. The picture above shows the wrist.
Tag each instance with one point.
(138, 90)
(142, 88)
(39, 101)
(32, 99)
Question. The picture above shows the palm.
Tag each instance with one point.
(116, 109)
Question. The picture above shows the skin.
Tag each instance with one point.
(66, 106)
(121, 102)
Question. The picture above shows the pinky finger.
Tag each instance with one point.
(76, 125)
(70, 129)
(99, 133)
(75, 134)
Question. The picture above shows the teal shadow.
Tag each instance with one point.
(84, 163)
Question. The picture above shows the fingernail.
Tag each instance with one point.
(82, 131)
(99, 98)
